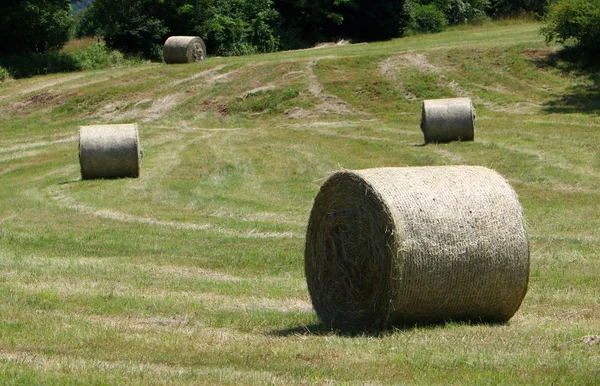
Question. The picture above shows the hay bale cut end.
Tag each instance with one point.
(109, 151)
(419, 245)
(446, 120)
(184, 49)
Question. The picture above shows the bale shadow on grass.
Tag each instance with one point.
(320, 329)
(579, 98)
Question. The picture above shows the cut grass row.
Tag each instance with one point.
(193, 273)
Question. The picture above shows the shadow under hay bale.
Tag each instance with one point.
(445, 120)
(109, 151)
(184, 49)
(403, 246)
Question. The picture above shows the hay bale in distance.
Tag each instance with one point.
(184, 49)
(109, 151)
(445, 120)
(416, 245)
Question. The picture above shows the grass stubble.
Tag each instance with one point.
(192, 273)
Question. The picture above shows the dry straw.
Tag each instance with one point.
(184, 49)
(403, 246)
(445, 120)
(109, 151)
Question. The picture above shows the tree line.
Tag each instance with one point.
(238, 27)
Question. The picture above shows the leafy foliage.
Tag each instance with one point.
(34, 25)
(229, 27)
(307, 22)
(95, 56)
(574, 20)
(428, 18)
(238, 27)
(4, 74)
(499, 8)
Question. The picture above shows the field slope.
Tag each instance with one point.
(193, 273)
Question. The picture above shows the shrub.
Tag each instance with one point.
(4, 74)
(428, 19)
(99, 56)
(31, 64)
(461, 11)
(576, 21)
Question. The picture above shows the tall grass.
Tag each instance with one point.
(79, 55)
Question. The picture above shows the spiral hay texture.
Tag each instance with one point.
(404, 246)
(184, 49)
(109, 151)
(445, 120)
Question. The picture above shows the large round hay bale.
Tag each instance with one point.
(445, 120)
(109, 151)
(184, 49)
(417, 245)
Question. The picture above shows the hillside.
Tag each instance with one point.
(193, 272)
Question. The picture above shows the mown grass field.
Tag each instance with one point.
(193, 273)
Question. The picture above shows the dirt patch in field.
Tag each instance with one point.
(540, 57)
(218, 107)
(42, 100)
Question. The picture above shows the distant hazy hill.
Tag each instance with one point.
(80, 5)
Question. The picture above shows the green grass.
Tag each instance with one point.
(193, 273)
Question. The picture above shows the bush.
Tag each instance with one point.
(99, 56)
(576, 21)
(240, 27)
(428, 19)
(32, 64)
(462, 11)
(95, 56)
(4, 74)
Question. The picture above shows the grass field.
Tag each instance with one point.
(193, 273)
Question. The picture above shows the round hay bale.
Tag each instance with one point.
(417, 245)
(109, 151)
(184, 49)
(445, 120)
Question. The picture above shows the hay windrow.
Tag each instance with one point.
(184, 49)
(397, 246)
(445, 120)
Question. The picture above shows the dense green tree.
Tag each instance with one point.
(500, 8)
(34, 25)
(576, 21)
(131, 26)
(454, 12)
(305, 22)
(229, 27)
(369, 20)
(237, 27)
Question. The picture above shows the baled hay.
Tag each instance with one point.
(445, 120)
(184, 49)
(418, 245)
(109, 151)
